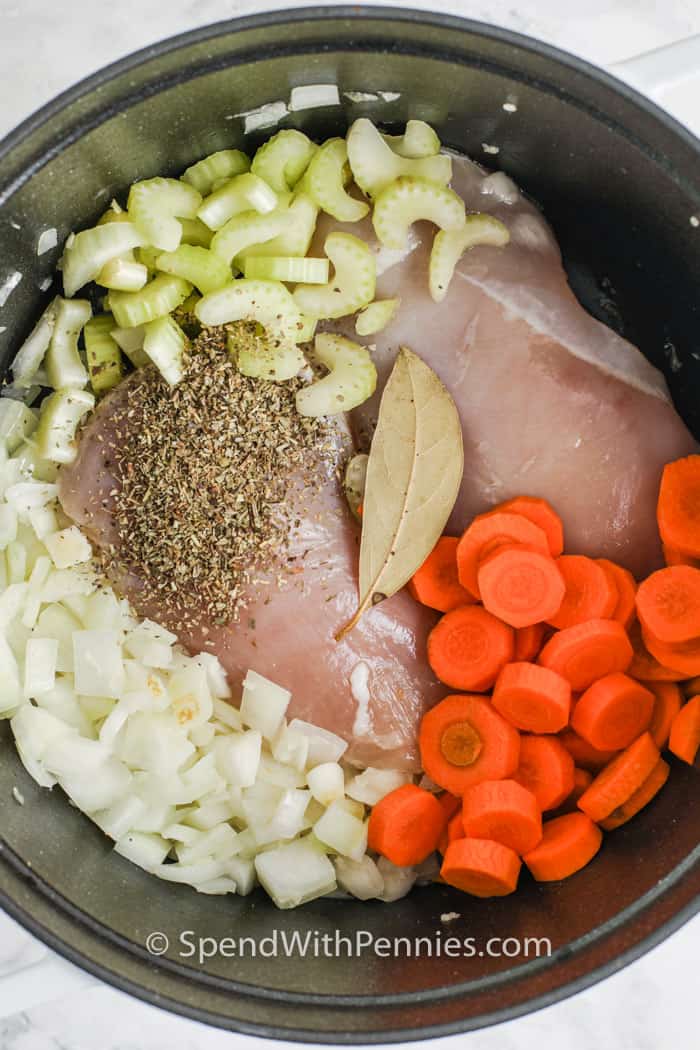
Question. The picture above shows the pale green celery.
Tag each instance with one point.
(130, 342)
(222, 165)
(161, 296)
(114, 213)
(241, 193)
(164, 343)
(17, 422)
(247, 231)
(283, 159)
(450, 245)
(190, 302)
(351, 379)
(409, 200)
(353, 282)
(306, 329)
(157, 205)
(104, 359)
(262, 357)
(375, 165)
(287, 268)
(325, 181)
(295, 238)
(376, 316)
(30, 355)
(123, 275)
(418, 140)
(148, 256)
(60, 415)
(63, 365)
(267, 302)
(195, 232)
(200, 266)
(89, 250)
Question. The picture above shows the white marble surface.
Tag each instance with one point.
(648, 1006)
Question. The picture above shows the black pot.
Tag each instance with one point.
(619, 181)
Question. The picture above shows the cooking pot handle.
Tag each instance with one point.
(50, 977)
(670, 75)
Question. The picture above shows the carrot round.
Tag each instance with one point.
(676, 557)
(684, 739)
(639, 798)
(613, 712)
(528, 642)
(520, 586)
(451, 804)
(678, 508)
(668, 604)
(568, 844)
(683, 658)
(626, 586)
(583, 753)
(436, 584)
(546, 769)
(532, 697)
(464, 740)
(504, 811)
(481, 867)
(542, 514)
(468, 648)
(644, 666)
(667, 703)
(405, 826)
(488, 531)
(587, 651)
(590, 593)
(620, 779)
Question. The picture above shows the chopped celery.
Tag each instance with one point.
(306, 329)
(326, 178)
(194, 231)
(63, 365)
(354, 483)
(241, 193)
(200, 266)
(30, 355)
(450, 245)
(262, 357)
(16, 423)
(351, 379)
(164, 342)
(156, 206)
(130, 342)
(247, 231)
(352, 284)
(123, 275)
(60, 415)
(148, 256)
(115, 213)
(418, 140)
(410, 200)
(283, 159)
(267, 302)
(287, 268)
(104, 359)
(295, 237)
(222, 165)
(376, 316)
(161, 296)
(375, 164)
(87, 252)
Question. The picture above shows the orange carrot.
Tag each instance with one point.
(481, 867)
(451, 804)
(639, 798)
(691, 687)
(590, 593)
(626, 586)
(583, 753)
(683, 658)
(528, 642)
(405, 826)
(668, 604)
(620, 779)
(583, 653)
(468, 648)
(568, 844)
(644, 666)
(492, 529)
(678, 508)
(667, 704)
(436, 584)
(540, 513)
(520, 586)
(546, 769)
(676, 557)
(464, 740)
(503, 811)
(684, 739)
(613, 712)
(533, 697)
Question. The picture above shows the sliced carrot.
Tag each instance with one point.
(620, 779)
(468, 648)
(464, 740)
(667, 703)
(613, 712)
(533, 697)
(568, 844)
(668, 604)
(503, 811)
(481, 867)
(546, 769)
(691, 687)
(639, 798)
(644, 666)
(528, 642)
(676, 557)
(587, 651)
(626, 586)
(583, 753)
(451, 804)
(493, 529)
(540, 513)
(405, 826)
(590, 592)
(436, 584)
(520, 586)
(678, 508)
(683, 658)
(684, 739)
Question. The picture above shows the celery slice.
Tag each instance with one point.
(63, 365)
(164, 343)
(295, 237)
(130, 342)
(418, 140)
(409, 200)
(30, 355)
(104, 359)
(147, 257)
(375, 165)
(267, 302)
(123, 275)
(306, 329)
(376, 316)
(287, 268)
(351, 380)
(352, 284)
(60, 415)
(450, 245)
(246, 231)
(115, 213)
(260, 357)
(283, 159)
(161, 296)
(156, 205)
(200, 266)
(194, 231)
(17, 422)
(328, 174)
(221, 165)
(241, 193)
(89, 250)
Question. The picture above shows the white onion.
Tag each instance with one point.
(98, 664)
(264, 704)
(327, 782)
(373, 784)
(238, 757)
(294, 873)
(40, 657)
(147, 851)
(397, 881)
(68, 547)
(361, 878)
(341, 831)
(324, 746)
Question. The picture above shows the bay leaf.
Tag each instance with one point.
(415, 468)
